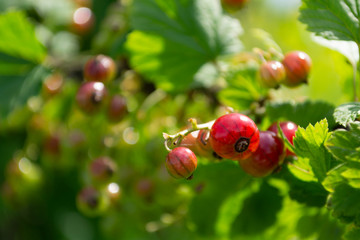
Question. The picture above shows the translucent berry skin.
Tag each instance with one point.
(100, 68)
(103, 168)
(289, 129)
(181, 162)
(190, 141)
(234, 136)
(203, 143)
(268, 156)
(90, 96)
(117, 108)
(271, 74)
(297, 65)
(83, 20)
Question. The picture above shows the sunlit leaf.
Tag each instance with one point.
(347, 113)
(332, 19)
(174, 39)
(18, 37)
(310, 143)
(344, 145)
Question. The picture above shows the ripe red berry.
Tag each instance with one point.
(83, 20)
(234, 136)
(90, 96)
(103, 168)
(117, 108)
(271, 74)
(267, 157)
(181, 162)
(100, 68)
(297, 66)
(289, 130)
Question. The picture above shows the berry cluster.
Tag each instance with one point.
(91, 97)
(292, 71)
(232, 136)
(99, 71)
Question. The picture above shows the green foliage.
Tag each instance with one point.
(190, 48)
(174, 39)
(301, 113)
(332, 19)
(16, 90)
(344, 145)
(18, 37)
(352, 233)
(347, 113)
(219, 182)
(243, 88)
(344, 203)
(258, 212)
(301, 189)
(310, 143)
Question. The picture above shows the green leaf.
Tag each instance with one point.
(344, 203)
(352, 233)
(18, 37)
(348, 49)
(301, 113)
(310, 143)
(347, 113)
(332, 19)
(302, 188)
(220, 181)
(16, 90)
(173, 39)
(229, 210)
(301, 169)
(344, 145)
(242, 89)
(259, 211)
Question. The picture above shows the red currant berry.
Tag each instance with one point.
(234, 136)
(289, 130)
(267, 157)
(53, 84)
(234, 3)
(297, 66)
(271, 74)
(52, 144)
(190, 141)
(83, 20)
(100, 68)
(117, 108)
(181, 162)
(145, 187)
(90, 96)
(91, 202)
(203, 143)
(102, 168)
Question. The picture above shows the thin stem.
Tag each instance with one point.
(174, 140)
